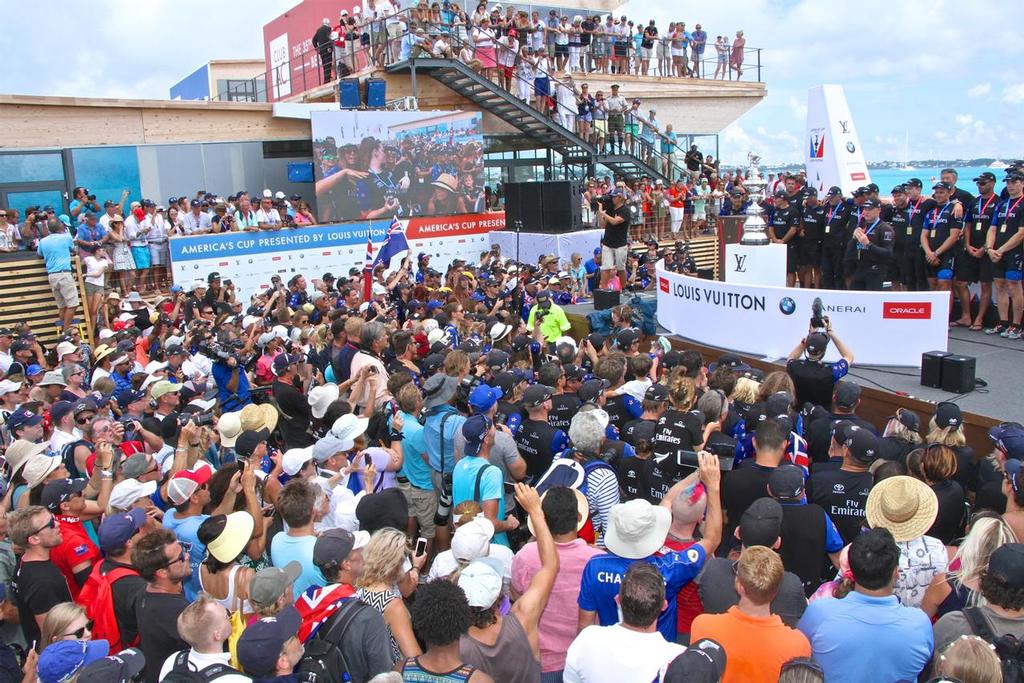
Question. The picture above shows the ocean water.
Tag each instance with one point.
(887, 178)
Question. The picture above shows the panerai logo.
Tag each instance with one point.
(741, 263)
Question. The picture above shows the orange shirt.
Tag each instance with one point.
(735, 631)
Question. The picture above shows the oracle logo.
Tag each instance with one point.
(663, 284)
(907, 310)
(858, 176)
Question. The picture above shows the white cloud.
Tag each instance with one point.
(1013, 94)
(980, 90)
(963, 119)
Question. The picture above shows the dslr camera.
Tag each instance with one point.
(819, 321)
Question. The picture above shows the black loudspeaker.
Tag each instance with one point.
(958, 374)
(605, 299)
(931, 368)
(524, 202)
(562, 207)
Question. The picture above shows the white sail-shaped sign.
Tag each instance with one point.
(832, 151)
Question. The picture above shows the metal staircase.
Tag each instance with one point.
(538, 127)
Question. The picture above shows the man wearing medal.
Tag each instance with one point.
(870, 248)
(972, 264)
(1003, 246)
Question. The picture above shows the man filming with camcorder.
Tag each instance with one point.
(813, 377)
(614, 215)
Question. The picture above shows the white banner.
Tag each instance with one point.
(762, 264)
(880, 328)
(533, 245)
(834, 155)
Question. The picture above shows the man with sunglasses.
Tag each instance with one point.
(76, 554)
(164, 564)
(38, 584)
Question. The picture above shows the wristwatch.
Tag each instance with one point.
(106, 474)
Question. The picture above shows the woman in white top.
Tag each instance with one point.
(483, 40)
(524, 75)
(96, 268)
(220, 574)
(565, 96)
(159, 253)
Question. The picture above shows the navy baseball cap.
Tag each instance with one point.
(115, 530)
(60, 409)
(60, 491)
(483, 398)
(986, 176)
(914, 182)
(261, 642)
(283, 361)
(942, 186)
(475, 430)
(60, 661)
(121, 667)
(22, 418)
(129, 396)
(871, 204)
(1009, 438)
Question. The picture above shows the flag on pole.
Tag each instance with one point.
(394, 243)
(368, 271)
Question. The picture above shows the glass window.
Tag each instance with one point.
(31, 168)
(107, 172)
(42, 198)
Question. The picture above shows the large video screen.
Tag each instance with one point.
(381, 164)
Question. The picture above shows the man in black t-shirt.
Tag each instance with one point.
(38, 585)
(843, 492)
(615, 241)
(783, 228)
(164, 564)
(116, 535)
(973, 265)
(870, 249)
(812, 225)
(820, 432)
(814, 379)
(291, 400)
(835, 235)
(940, 237)
(749, 482)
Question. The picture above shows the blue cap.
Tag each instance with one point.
(475, 430)
(597, 250)
(434, 304)
(523, 375)
(34, 369)
(176, 288)
(483, 398)
(115, 530)
(1009, 438)
(60, 409)
(65, 219)
(414, 303)
(60, 661)
(129, 396)
(261, 641)
(1012, 467)
(22, 418)
(477, 296)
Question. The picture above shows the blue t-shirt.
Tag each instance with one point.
(285, 548)
(240, 397)
(432, 436)
(414, 468)
(603, 574)
(87, 234)
(492, 486)
(186, 530)
(901, 638)
(56, 251)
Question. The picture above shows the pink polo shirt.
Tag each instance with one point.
(559, 619)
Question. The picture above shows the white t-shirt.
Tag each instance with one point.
(921, 560)
(93, 265)
(611, 654)
(271, 217)
(200, 661)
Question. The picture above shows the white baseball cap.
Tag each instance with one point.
(481, 581)
(472, 540)
(294, 459)
(127, 491)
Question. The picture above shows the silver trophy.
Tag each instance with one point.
(754, 225)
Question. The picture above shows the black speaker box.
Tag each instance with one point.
(562, 207)
(958, 374)
(605, 299)
(931, 368)
(524, 202)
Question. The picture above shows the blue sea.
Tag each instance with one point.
(887, 178)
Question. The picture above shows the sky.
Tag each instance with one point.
(948, 75)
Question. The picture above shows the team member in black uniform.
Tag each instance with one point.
(939, 237)
(1004, 250)
(917, 206)
(812, 221)
(897, 215)
(972, 264)
(870, 249)
(835, 236)
(854, 220)
(737, 204)
(784, 227)
(950, 176)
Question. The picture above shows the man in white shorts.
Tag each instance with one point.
(615, 241)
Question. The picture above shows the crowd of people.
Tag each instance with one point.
(441, 483)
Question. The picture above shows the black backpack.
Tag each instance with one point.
(184, 672)
(1008, 647)
(323, 659)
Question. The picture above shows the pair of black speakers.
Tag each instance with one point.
(948, 371)
(552, 206)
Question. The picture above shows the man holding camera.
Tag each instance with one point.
(290, 386)
(82, 201)
(814, 379)
(549, 318)
(615, 241)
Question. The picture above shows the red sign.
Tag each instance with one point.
(663, 284)
(858, 176)
(426, 227)
(907, 310)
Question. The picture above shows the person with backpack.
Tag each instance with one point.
(475, 478)
(111, 594)
(348, 635)
(270, 649)
(1000, 619)
(205, 626)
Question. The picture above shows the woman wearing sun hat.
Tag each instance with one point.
(220, 575)
(907, 507)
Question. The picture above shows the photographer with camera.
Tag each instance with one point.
(815, 379)
(81, 201)
(614, 215)
(548, 318)
(292, 381)
(229, 373)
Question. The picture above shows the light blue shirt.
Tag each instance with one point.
(863, 639)
(492, 487)
(414, 468)
(56, 251)
(432, 436)
(187, 531)
(408, 42)
(285, 548)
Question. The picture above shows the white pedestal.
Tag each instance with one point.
(756, 265)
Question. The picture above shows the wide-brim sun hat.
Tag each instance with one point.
(906, 506)
(438, 390)
(320, 398)
(637, 529)
(229, 426)
(256, 417)
(232, 540)
(347, 428)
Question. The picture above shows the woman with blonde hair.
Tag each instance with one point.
(970, 659)
(385, 558)
(65, 621)
(960, 589)
(935, 465)
(744, 395)
(947, 428)
(900, 436)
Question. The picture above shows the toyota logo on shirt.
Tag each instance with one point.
(907, 310)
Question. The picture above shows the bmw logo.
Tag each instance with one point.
(850, 147)
(787, 305)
